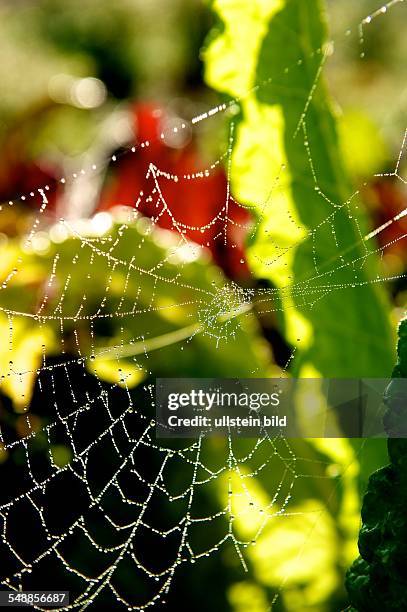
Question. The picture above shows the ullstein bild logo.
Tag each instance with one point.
(227, 421)
(294, 408)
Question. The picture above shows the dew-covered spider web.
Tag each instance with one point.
(91, 501)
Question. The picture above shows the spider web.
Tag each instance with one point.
(123, 494)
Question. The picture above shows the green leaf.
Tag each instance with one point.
(287, 167)
(377, 579)
(114, 304)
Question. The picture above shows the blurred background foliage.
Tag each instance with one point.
(82, 80)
